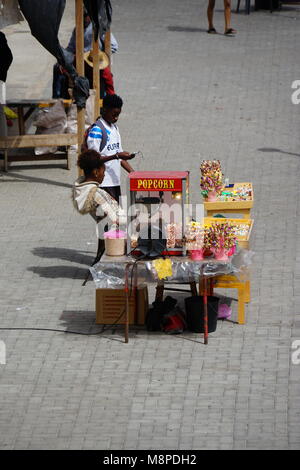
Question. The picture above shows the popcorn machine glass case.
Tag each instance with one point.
(156, 213)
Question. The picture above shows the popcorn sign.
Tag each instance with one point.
(155, 184)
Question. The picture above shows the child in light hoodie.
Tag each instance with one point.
(89, 198)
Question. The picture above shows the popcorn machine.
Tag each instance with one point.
(156, 214)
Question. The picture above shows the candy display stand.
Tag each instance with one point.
(243, 228)
(231, 205)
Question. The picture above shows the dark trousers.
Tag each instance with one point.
(114, 191)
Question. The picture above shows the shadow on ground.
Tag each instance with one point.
(186, 29)
(23, 178)
(274, 150)
(63, 272)
(83, 322)
(67, 254)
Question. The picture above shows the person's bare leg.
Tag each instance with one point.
(227, 14)
(210, 14)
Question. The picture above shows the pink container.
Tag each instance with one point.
(115, 234)
(115, 242)
(197, 255)
(221, 254)
(232, 250)
(212, 196)
(224, 311)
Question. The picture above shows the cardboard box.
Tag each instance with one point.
(110, 306)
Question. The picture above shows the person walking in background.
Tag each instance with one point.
(60, 82)
(106, 77)
(227, 13)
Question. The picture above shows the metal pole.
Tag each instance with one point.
(205, 317)
(126, 302)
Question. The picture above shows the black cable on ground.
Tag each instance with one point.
(52, 329)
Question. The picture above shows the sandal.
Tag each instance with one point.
(212, 31)
(230, 32)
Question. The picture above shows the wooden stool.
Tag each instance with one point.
(160, 288)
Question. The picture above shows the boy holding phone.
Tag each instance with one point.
(104, 137)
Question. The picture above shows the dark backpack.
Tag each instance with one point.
(100, 124)
(156, 313)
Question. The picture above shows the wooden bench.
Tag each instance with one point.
(32, 141)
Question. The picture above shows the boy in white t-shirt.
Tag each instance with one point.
(104, 137)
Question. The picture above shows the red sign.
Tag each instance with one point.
(155, 184)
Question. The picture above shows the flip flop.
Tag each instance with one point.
(212, 31)
(230, 32)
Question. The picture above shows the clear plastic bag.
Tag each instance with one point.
(112, 274)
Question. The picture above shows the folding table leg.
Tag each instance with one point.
(68, 158)
(205, 317)
(160, 290)
(247, 292)
(5, 160)
(241, 305)
(193, 288)
(126, 303)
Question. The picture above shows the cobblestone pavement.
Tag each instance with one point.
(188, 96)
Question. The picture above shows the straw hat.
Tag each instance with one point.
(103, 59)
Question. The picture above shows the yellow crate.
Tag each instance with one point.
(239, 207)
(243, 240)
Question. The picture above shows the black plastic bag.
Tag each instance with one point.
(44, 17)
(81, 91)
(100, 12)
(155, 316)
(6, 57)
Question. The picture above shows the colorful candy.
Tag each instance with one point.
(211, 176)
(221, 236)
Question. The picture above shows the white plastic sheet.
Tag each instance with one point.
(112, 274)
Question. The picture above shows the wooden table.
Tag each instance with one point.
(131, 266)
(29, 105)
(35, 140)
